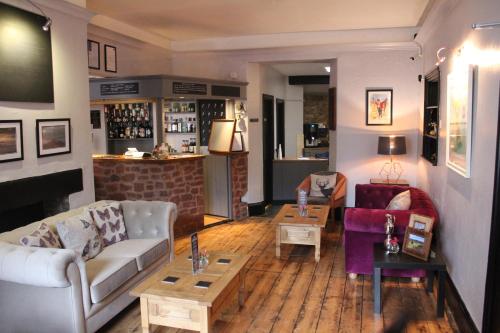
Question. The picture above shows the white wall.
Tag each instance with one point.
(71, 95)
(294, 118)
(133, 56)
(357, 143)
(465, 205)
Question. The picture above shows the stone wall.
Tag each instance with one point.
(315, 108)
(239, 184)
(178, 181)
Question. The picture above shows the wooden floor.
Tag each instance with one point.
(296, 294)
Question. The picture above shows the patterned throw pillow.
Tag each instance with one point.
(322, 185)
(110, 222)
(402, 201)
(41, 237)
(79, 233)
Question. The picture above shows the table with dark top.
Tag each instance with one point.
(381, 260)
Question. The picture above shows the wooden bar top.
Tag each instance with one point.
(303, 159)
(122, 158)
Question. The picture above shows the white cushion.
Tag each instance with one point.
(402, 201)
(41, 237)
(106, 274)
(322, 185)
(144, 251)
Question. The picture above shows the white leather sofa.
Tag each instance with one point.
(54, 290)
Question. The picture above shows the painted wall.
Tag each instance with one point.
(465, 205)
(357, 143)
(71, 95)
(133, 56)
(294, 114)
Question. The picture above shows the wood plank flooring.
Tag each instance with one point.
(296, 294)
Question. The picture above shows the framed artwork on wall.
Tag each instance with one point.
(93, 49)
(11, 140)
(110, 58)
(378, 107)
(460, 86)
(53, 137)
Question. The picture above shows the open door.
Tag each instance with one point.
(268, 146)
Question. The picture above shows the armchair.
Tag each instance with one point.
(364, 225)
(336, 200)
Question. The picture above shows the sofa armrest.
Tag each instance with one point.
(150, 219)
(373, 220)
(42, 267)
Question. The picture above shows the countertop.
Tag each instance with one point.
(303, 159)
(122, 158)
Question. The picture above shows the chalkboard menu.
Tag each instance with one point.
(209, 110)
(123, 88)
(189, 88)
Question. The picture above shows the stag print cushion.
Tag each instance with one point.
(79, 233)
(41, 237)
(322, 185)
(109, 221)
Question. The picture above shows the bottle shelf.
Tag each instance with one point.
(194, 133)
(172, 112)
(128, 139)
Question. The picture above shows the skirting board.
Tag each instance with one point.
(457, 307)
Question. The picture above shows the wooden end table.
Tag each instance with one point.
(182, 305)
(291, 228)
(400, 260)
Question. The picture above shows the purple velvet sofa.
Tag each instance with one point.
(364, 225)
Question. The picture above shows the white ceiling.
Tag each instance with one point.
(180, 20)
(302, 68)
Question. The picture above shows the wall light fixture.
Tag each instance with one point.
(439, 57)
(490, 25)
(48, 21)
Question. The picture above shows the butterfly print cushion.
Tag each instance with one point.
(41, 237)
(110, 222)
(80, 234)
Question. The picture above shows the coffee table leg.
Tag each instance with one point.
(205, 326)
(440, 297)
(377, 296)
(278, 240)
(241, 298)
(144, 315)
(317, 236)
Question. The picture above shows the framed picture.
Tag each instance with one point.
(11, 140)
(421, 222)
(93, 49)
(460, 87)
(417, 243)
(110, 58)
(53, 137)
(378, 107)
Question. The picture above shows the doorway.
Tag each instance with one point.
(491, 315)
(268, 146)
(280, 124)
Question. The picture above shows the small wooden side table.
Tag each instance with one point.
(400, 260)
(383, 181)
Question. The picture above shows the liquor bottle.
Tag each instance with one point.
(174, 125)
(122, 131)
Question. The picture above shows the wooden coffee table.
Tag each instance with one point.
(305, 230)
(182, 305)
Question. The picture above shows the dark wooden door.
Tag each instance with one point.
(280, 124)
(268, 145)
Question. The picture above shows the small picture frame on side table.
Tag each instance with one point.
(417, 243)
(421, 222)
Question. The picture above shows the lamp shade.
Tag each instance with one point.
(392, 145)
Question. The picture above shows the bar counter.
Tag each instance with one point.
(177, 179)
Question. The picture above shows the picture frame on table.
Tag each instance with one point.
(110, 64)
(94, 51)
(11, 141)
(53, 137)
(379, 107)
(421, 222)
(417, 243)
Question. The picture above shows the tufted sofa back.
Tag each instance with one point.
(378, 196)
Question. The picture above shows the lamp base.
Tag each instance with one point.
(391, 170)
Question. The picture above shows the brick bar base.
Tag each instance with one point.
(179, 181)
(239, 184)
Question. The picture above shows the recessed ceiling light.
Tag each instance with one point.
(327, 68)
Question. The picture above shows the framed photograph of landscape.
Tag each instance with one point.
(417, 243)
(11, 140)
(93, 49)
(53, 137)
(110, 58)
(378, 107)
(460, 86)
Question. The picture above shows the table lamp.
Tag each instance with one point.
(391, 145)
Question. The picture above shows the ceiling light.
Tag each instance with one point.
(48, 22)
(479, 26)
(440, 58)
(327, 68)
